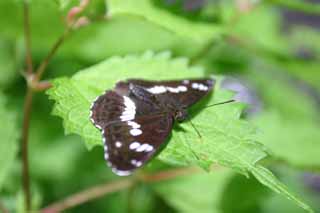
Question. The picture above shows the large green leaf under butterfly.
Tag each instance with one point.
(226, 139)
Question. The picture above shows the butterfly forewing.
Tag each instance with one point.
(183, 93)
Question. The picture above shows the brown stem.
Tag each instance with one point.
(3, 209)
(41, 86)
(169, 174)
(104, 189)
(87, 195)
(55, 47)
(24, 146)
(26, 23)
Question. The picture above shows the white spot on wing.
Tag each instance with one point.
(135, 132)
(106, 156)
(144, 147)
(157, 89)
(121, 172)
(129, 110)
(163, 89)
(199, 86)
(118, 144)
(173, 90)
(136, 163)
(134, 145)
(133, 124)
(182, 88)
(149, 148)
(195, 85)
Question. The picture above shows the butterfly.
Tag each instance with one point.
(136, 117)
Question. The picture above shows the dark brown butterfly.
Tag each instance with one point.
(137, 116)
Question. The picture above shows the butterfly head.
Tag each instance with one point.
(180, 115)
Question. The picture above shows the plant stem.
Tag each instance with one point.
(26, 23)
(3, 209)
(104, 189)
(87, 195)
(169, 174)
(24, 146)
(303, 6)
(55, 47)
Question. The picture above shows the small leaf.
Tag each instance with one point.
(8, 142)
(199, 31)
(225, 139)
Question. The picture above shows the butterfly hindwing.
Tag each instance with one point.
(130, 144)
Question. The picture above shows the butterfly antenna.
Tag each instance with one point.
(194, 127)
(225, 102)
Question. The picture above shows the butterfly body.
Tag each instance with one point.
(136, 117)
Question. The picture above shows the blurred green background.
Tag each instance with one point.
(269, 52)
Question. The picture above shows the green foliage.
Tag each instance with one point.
(9, 137)
(277, 58)
(119, 36)
(179, 25)
(8, 62)
(286, 146)
(225, 139)
(199, 191)
(213, 192)
(288, 112)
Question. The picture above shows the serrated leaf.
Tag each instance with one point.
(8, 142)
(199, 31)
(225, 139)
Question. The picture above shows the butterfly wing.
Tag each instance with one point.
(129, 145)
(183, 93)
(132, 129)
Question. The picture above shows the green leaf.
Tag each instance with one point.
(225, 139)
(289, 130)
(298, 5)
(294, 141)
(45, 22)
(195, 192)
(117, 36)
(199, 31)
(63, 3)
(264, 32)
(8, 63)
(221, 191)
(8, 142)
